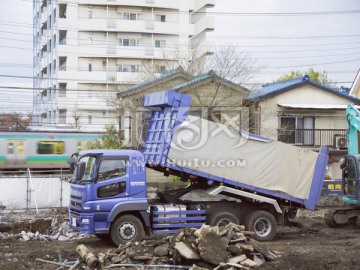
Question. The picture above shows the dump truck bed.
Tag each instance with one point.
(214, 152)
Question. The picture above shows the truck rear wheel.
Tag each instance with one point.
(263, 224)
(222, 219)
(127, 228)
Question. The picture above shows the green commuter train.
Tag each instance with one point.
(40, 150)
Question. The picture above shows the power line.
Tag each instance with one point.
(116, 42)
(139, 48)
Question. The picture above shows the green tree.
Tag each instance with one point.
(316, 76)
(110, 140)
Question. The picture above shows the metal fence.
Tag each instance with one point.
(333, 138)
(33, 192)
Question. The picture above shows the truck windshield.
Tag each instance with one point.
(89, 168)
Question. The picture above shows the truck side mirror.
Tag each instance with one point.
(72, 162)
(80, 170)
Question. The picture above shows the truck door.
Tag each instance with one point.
(112, 179)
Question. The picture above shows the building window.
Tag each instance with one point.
(90, 41)
(62, 89)
(90, 119)
(90, 67)
(159, 69)
(62, 116)
(90, 14)
(160, 18)
(128, 42)
(130, 16)
(297, 130)
(160, 43)
(128, 68)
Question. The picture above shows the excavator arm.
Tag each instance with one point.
(353, 118)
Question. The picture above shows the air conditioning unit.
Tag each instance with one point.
(340, 141)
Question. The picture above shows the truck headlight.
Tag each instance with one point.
(85, 220)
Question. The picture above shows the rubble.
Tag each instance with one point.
(42, 229)
(220, 248)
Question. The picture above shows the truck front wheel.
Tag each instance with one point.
(125, 229)
(262, 223)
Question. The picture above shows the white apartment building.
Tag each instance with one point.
(87, 50)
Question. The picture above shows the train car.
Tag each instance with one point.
(40, 150)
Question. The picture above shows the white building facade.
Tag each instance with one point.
(85, 51)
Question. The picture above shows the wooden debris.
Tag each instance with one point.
(221, 248)
(91, 260)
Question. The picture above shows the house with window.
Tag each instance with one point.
(303, 113)
(213, 98)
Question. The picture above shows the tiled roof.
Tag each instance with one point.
(278, 87)
(135, 88)
(202, 77)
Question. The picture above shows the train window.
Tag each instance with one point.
(79, 146)
(50, 147)
(10, 147)
(20, 148)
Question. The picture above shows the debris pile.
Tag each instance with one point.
(45, 229)
(228, 247)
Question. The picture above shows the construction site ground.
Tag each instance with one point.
(315, 246)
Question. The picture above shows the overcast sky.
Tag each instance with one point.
(283, 35)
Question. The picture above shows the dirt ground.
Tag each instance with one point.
(314, 247)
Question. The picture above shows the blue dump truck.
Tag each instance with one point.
(262, 182)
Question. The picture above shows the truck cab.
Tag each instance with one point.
(106, 183)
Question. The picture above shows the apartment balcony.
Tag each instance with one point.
(44, 62)
(314, 138)
(204, 24)
(44, 39)
(137, 3)
(91, 104)
(65, 50)
(95, 76)
(130, 52)
(136, 26)
(198, 4)
(128, 77)
(64, 103)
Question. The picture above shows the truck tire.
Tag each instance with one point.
(127, 228)
(263, 224)
(222, 219)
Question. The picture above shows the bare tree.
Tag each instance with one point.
(15, 121)
(228, 66)
(230, 63)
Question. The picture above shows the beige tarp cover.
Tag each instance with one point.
(214, 149)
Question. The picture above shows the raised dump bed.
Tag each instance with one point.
(198, 149)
